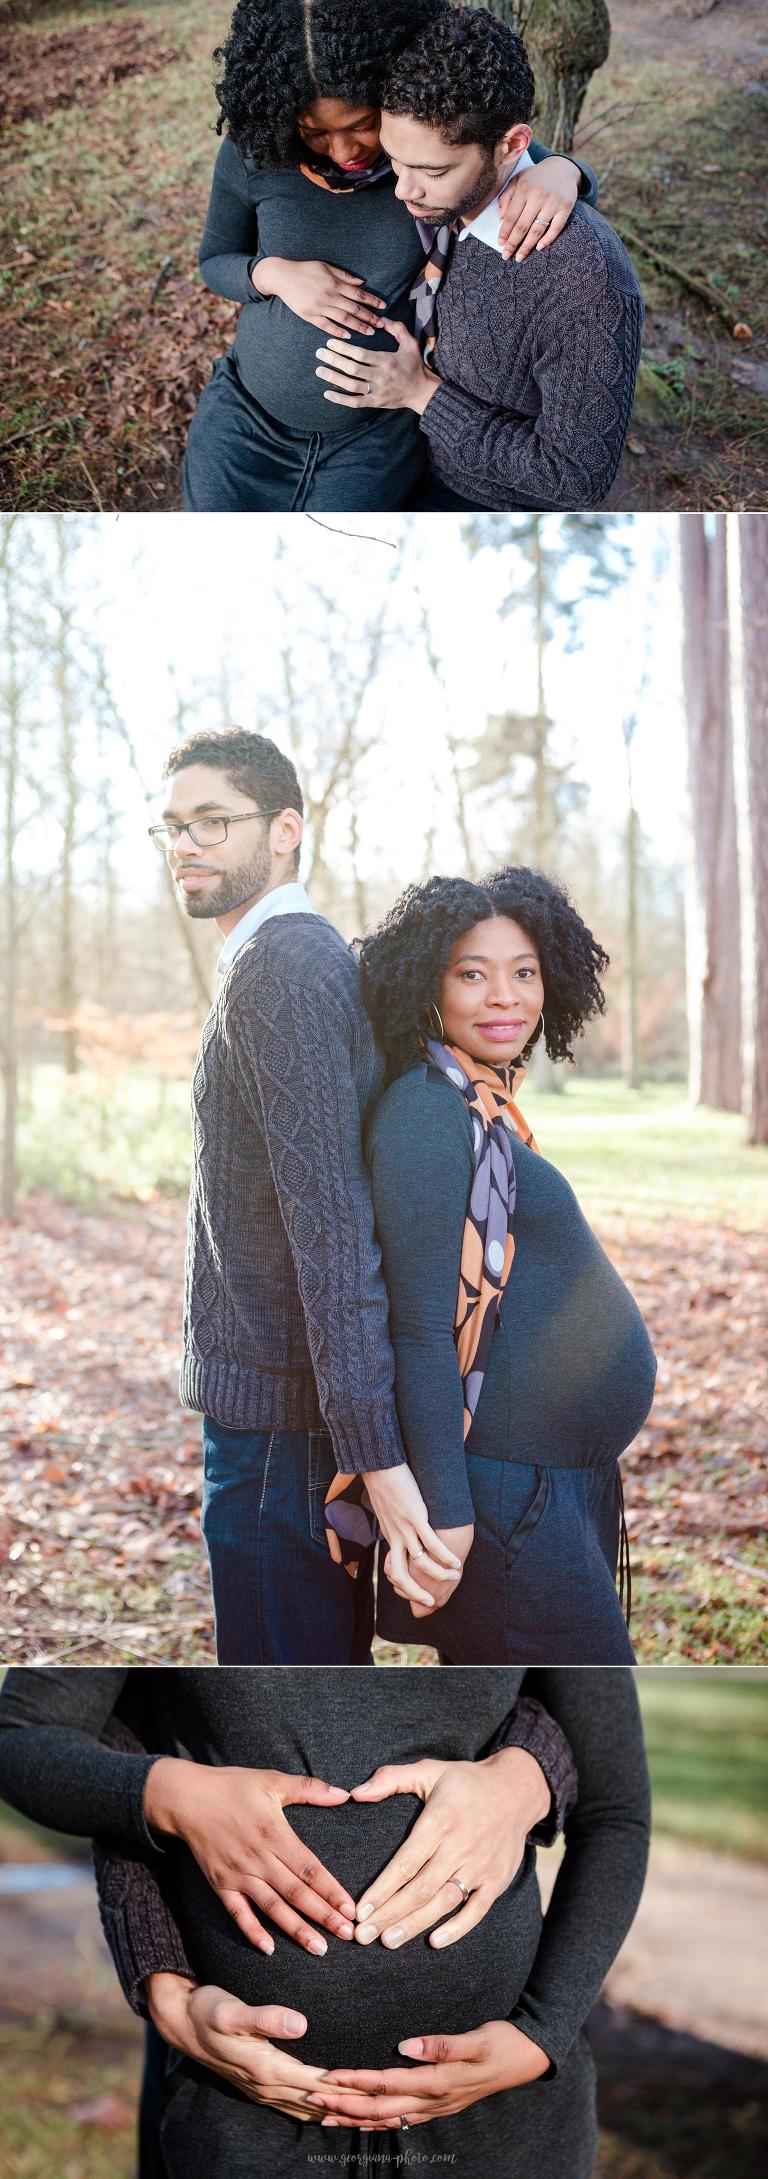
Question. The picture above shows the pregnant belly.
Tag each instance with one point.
(360, 2000)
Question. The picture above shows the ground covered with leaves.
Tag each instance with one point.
(99, 1500)
(107, 335)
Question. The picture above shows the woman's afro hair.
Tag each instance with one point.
(403, 962)
(281, 55)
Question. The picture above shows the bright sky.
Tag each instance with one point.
(176, 602)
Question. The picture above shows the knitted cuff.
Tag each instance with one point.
(139, 1928)
(530, 1726)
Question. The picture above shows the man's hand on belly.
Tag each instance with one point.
(454, 2071)
(379, 381)
(476, 1820)
(233, 2039)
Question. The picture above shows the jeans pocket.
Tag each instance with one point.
(321, 1469)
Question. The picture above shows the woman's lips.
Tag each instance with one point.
(500, 1029)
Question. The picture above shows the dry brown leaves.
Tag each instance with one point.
(99, 1501)
(70, 67)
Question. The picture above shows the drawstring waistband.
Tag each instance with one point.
(299, 499)
(625, 1566)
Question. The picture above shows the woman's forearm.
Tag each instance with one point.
(52, 1766)
(600, 1883)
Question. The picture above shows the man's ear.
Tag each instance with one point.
(514, 142)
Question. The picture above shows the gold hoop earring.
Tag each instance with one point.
(439, 1032)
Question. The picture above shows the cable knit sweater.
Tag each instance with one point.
(539, 363)
(286, 1312)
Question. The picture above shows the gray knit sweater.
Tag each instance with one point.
(539, 363)
(285, 1322)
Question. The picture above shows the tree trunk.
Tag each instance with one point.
(712, 902)
(67, 992)
(12, 709)
(748, 566)
(566, 40)
(632, 1075)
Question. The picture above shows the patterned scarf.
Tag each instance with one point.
(328, 175)
(487, 1251)
(424, 292)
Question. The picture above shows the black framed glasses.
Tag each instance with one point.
(204, 831)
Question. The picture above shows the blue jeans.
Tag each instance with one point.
(278, 1596)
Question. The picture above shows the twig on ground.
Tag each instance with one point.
(702, 288)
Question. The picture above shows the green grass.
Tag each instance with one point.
(648, 1155)
(51, 2072)
(707, 1736)
(642, 1155)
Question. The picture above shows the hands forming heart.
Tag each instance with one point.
(470, 1839)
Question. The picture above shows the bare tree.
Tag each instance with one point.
(11, 761)
(712, 905)
(748, 592)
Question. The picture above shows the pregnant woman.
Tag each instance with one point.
(304, 230)
(524, 1368)
(495, 2062)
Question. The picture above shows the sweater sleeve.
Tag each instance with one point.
(137, 1917)
(530, 1726)
(599, 1885)
(230, 241)
(421, 1173)
(588, 182)
(293, 1048)
(584, 364)
(52, 1765)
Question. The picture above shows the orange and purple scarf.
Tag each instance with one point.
(487, 1252)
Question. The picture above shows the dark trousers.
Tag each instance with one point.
(151, 2162)
(539, 1585)
(278, 1596)
(240, 460)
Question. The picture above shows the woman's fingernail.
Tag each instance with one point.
(366, 1935)
(392, 1936)
(267, 1945)
(294, 2022)
(412, 2047)
(439, 1938)
(346, 1929)
(317, 1944)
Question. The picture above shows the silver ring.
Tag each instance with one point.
(367, 385)
(415, 1555)
(405, 2124)
(542, 222)
(463, 1888)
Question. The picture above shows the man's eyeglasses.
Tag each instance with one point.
(205, 831)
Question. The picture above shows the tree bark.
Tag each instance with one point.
(67, 993)
(712, 897)
(12, 709)
(566, 40)
(748, 560)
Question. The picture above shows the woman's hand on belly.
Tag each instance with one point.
(454, 2071)
(232, 1819)
(476, 1819)
(322, 295)
(233, 2039)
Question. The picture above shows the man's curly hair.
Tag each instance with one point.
(403, 962)
(281, 55)
(470, 78)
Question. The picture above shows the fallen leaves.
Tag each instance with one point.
(99, 1506)
(71, 67)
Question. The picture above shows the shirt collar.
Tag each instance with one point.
(290, 899)
(485, 227)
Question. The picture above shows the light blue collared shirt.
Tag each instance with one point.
(289, 899)
(485, 227)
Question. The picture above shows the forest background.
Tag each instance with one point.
(583, 692)
(107, 335)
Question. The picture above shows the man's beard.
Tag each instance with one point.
(445, 215)
(235, 887)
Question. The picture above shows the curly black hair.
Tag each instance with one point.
(281, 55)
(471, 80)
(403, 962)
